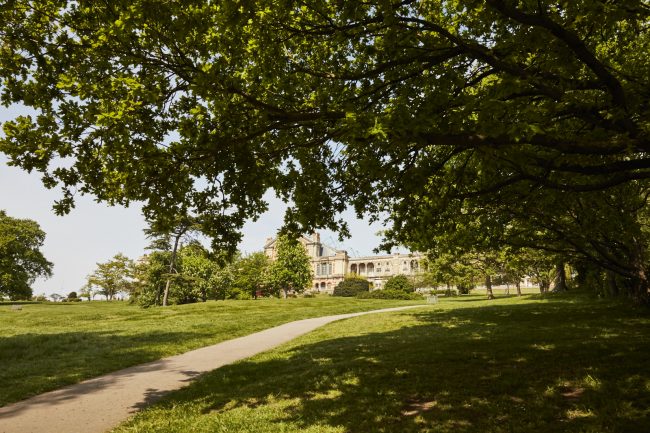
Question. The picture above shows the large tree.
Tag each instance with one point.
(430, 110)
(21, 259)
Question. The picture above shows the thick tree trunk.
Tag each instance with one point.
(612, 286)
(507, 288)
(285, 293)
(641, 285)
(518, 288)
(543, 285)
(488, 287)
(559, 284)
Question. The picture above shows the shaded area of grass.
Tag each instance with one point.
(560, 365)
(43, 347)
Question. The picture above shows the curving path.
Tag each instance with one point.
(99, 404)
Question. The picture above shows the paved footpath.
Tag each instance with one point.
(99, 404)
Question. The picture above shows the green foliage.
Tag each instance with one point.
(352, 286)
(399, 283)
(519, 124)
(72, 297)
(252, 275)
(291, 271)
(149, 279)
(113, 277)
(390, 294)
(21, 260)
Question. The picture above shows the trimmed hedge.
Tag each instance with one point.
(389, 294)
(350, 287)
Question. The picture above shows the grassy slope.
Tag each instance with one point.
(43, 347)
(464, 365)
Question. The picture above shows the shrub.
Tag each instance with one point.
(399, 283)
(352, 287)
(389, 294)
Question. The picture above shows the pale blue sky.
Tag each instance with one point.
(94, 232)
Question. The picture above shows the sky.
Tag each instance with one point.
(94, 232)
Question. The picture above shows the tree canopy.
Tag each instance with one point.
(21, 259)
(113, 276)
(290, 271)
(523, 120)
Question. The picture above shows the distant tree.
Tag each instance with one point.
(56, 297)
(252, 274)
(21, 260)
(399, 282)
(113, 277)
(150, 276)
(72, 295)
(197, 271)
(166, 235)
(291, 270)
(86, 292)
(352, 285)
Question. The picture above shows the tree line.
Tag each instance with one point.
(190, 272)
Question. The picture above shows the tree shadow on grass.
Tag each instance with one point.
(557, 366)
(35, 363)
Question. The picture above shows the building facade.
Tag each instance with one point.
(330, 265)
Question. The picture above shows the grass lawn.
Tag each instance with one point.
(46, 346)
(560, 364)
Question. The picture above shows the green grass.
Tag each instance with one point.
(46, 346)
(559, 364)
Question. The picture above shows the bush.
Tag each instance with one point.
(399, 283)
(390, 294)
(352, 287)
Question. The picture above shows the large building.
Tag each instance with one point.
(330, 265)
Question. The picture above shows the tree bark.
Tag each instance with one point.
(172, 268)
(612, 286)
(559, 284)
(488, 287)
(518, 288)
(640, 285)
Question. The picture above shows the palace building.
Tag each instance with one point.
(330, 265)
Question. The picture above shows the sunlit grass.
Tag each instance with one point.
(559, 364)
(43, 347)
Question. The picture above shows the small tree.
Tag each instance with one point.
(166, 235)
(352, 286)
(86, 292)
(252, 274)
(113, 276)
(400, 283)
(291, 270)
